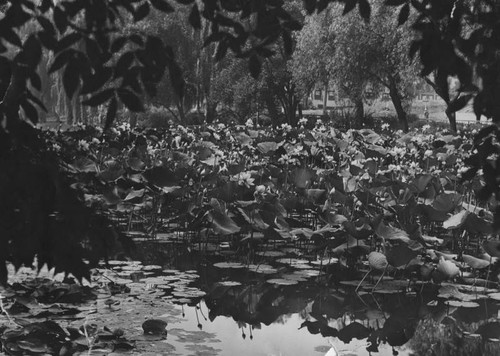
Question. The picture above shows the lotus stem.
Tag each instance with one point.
(376, 284)
(362, 280)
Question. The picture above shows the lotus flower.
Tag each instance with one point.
(447, 268)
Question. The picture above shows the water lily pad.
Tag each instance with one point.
(181, 300)
(294, 277)
(151, 268)
(116, 263)
(387, 291)
(462, 304)
(170, 271)
(325, 261)
(188, 293)
(229, 265)
(293, 261)
(308, 272)
(494, 296)
(270, 253)
(154, 327)
(282, 282)
(262, 268)
(350, 283)
(132, 268)
(229, 284)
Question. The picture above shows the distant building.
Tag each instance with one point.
(424, 94)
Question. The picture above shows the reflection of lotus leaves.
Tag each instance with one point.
(229, 265)
(282, 282)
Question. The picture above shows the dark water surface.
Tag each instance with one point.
(268, 303)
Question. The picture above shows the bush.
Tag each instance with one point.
(346, 120)
(155, 117)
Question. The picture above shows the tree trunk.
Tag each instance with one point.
(77, 112)
(13, 95)
(211, 111)
(359, 110)
(398, 104)
(182, 114)
(272, 109)
(133, 119)
(452, 118)
(69, 110)
(325, 98)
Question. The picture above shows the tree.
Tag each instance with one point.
(311, 58)
(353, 53)
(448, 95)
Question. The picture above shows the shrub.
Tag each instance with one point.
(155, 117)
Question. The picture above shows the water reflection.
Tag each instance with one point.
(294, 307)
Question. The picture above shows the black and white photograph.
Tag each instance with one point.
(250, 177)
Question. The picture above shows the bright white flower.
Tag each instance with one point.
(428, 153)
(83, 145)
(151, 150)
(223, 168)
(385, 126)
(260, 189)
(176, 142)
(56, 147)
(243, 178)
(96, 141)
(249, 123)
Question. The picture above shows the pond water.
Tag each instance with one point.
(263, 303)
(269, 303)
